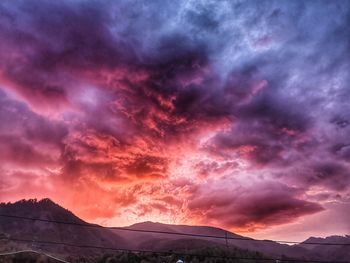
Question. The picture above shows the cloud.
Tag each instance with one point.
(330, 174)
(132, 104)
(27, 139)
(251, 208)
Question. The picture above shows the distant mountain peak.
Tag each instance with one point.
(142, 223)
(149, 223)
(47, 200)
(158, 224)
(333, 238)
(313, 239)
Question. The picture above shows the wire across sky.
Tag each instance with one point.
(225, 236)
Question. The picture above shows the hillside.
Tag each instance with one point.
(66, 233)
(81, 233)
(329, 252)
(156, 241)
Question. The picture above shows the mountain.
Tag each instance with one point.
(161, 241)
(45, 209)
(329, 252)
(82, 233)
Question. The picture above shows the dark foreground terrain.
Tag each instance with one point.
(214, 255)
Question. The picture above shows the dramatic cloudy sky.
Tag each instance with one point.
(227, 113)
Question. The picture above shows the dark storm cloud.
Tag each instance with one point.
(22, 153)
(342, 150)
(112, 86)
(75, 35)
(18, 118)
(330, 174)
(55, 51)
(26, 137)
(269, 127)
(42, 51)
(252, 208)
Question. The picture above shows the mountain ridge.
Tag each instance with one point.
(121, 238)
(48, 210)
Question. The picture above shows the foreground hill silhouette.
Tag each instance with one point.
(37, 230)
(46, 209)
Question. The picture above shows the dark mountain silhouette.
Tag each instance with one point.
(124, 238)
(38, 230)
(329, 252)
(155, 241)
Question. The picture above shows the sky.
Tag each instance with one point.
(232, 114)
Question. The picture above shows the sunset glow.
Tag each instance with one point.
(232, 114)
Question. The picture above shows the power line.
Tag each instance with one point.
(32, 251)
(172, 233)
(164, 252)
